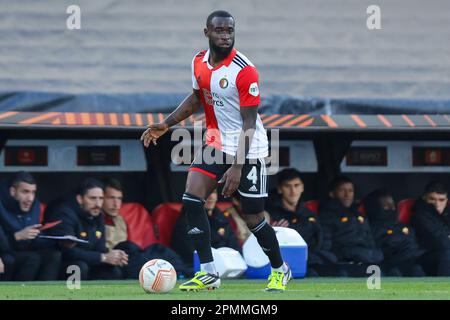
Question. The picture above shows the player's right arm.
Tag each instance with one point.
(186, 108)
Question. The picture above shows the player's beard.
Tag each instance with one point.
(220, 52)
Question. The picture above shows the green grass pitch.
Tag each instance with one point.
(299, 289)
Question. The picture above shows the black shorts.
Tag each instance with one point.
(253, 183)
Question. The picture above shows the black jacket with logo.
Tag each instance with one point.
(349, 232)
(307, 224)
(81, 224)
(396, 240)
(432, 228)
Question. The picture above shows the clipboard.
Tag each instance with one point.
(49, 225)
(70, 238)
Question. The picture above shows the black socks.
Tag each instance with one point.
(198, 227)
(268, 241)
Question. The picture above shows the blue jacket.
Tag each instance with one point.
(13, 219)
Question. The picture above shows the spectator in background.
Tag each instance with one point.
(396, 239)
(347, 228)
(35, 258)
(286, 210)
(81, 217)
(117, 237)
(431, 219)
(222, 234)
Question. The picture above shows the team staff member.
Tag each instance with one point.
(347, 228)
(6, 258)
(81, 217)
(396, 239)
(35, 258)
(116, 230)
(431, 219)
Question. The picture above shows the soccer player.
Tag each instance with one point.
(225, 82)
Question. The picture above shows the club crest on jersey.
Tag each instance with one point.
(253, 89)
(223, 83)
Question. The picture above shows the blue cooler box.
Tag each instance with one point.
(294, 251)
(296, 257)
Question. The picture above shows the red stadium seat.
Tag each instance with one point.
(175, 205)
(139, 223)
(165, 216)
(312, 205)
(404, 208)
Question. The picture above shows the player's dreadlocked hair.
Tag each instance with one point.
(218, 13)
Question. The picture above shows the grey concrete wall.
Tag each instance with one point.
(302, 48)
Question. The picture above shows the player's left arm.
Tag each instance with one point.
(248, 89)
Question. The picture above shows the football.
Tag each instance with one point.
(157, 276)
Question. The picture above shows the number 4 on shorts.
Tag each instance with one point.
(252, 175)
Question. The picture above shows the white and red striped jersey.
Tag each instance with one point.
(225, 89)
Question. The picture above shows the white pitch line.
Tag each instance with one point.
(337, 290)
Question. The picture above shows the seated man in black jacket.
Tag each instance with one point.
(348, 229)
(222, 235)
(286, 210)
(6, 258)
(396, 239)
(19, 266)
(35, 258)
(431, 219)
(81, 217)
